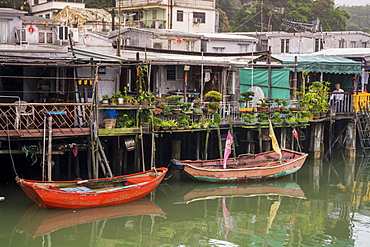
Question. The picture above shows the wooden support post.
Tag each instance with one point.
(50, 119)
(197, 152)
(176, 154)
(205, 155)
(316, 140)
(350, 150)
(283, 137)
(120, 156)
(219, 142)
(349, 170)
(70, 165)
(137, 154)
(152, 156)
(316, 171)
(76, 161)
(89, 162)
(125, 154)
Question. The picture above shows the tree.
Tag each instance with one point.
(99, 4)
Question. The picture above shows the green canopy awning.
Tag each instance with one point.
(320, 64)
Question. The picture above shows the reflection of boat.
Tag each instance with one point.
(249, 167)
(92, 192)
(38, 221)
(285, 188)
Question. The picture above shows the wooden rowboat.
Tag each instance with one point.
(243, 168)
(92, 192)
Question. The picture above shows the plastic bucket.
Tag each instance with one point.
(110, 113)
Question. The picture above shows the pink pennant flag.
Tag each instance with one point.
(295, 134)
(229, 142)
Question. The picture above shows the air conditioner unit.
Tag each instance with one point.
(197, 20)
(159, 44)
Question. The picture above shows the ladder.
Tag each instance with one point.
(363, 129)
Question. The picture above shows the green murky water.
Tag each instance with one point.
(322, 205)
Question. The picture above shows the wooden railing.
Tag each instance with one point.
(29, 119)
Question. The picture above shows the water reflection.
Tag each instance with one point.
(325, 204)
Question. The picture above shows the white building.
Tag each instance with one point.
(50, 8)
(306, 42)
(198, 16)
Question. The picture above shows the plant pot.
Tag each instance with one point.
(180, 128)
(165, 128)
(120, 101)
(248, 109)
(110, 123)
(197, 111)
(173, 127)
(249, 124)
(316, 116)
(176, 111)
(188, 128)
(156, 128)
(263, 123)
(127, 103)
(310, 117)
(144, 102)
(211, 110)
(157, 111)
(263, 109)
(105, 102)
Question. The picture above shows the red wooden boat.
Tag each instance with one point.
(92, 192)
(243, 168)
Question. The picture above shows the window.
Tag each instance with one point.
(49, 38)
(243, 48)
(264, 45)
(352, 44)
(284, 46)
(41, 37)
(171, 73)
(199, 17)
(180, 15)
(35, 2)
(3, 31)
(63, 33)
(189, 45)
(319, 44)
(154, 14)
(364, 44)
(47, 16)
(342, 43)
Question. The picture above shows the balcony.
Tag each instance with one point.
(30, 119)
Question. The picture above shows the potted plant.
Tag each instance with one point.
(303, 116)
(196, 107)
(169, 124)
(280, 105)
(174, 101)
(276, 118)
(186, 108)
(213, 106)
(113, 101)
(128, 100)
(105, 99)
(315, 99)
(119, 97)
(145, 116)
(183, 121)
(263, 118)
(212, 96)
(245, 98)
(196, 126)
(157, 123)
(248, 118)
(125, 121)
(263, 105)
(145, 98)
(290, 118)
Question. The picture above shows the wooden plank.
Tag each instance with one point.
(39, 132)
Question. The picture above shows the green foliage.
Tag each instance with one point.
(173, 98)
(262, 117)
(359, 20)
(105, 97)
(245, 97)
(157, 121)
(125, 121)
(248, 117)
(276, 118)
(213, 96)
(246, 15)
(217, 118)
(186, 106)
(184, 120)
(316, 98)
(263, 102)
(214, 105)
(98, 4)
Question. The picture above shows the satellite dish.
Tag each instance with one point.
(258, 94)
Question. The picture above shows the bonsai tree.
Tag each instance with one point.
(290, 118)
(146, 96)
(303, 116)
(214, 105)
(263, 102)
(276, 118)
(246, 97)
(262, 117)
(217, 118)
(186, 107)
(213, 96)
(248, 117)
(184, 120)
(157, 121)
(174, 101)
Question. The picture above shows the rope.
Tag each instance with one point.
(10, 152)
(30, 150)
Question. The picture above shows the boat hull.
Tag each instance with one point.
(46, 194)
(262, 170)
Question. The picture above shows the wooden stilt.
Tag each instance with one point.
(49, 155)
(152, 156)
(219, 142)
(125, 154)
(104, 158)
(205, 154)
(197, 152)
(350, 150)
(88, 160)
(283, 137)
